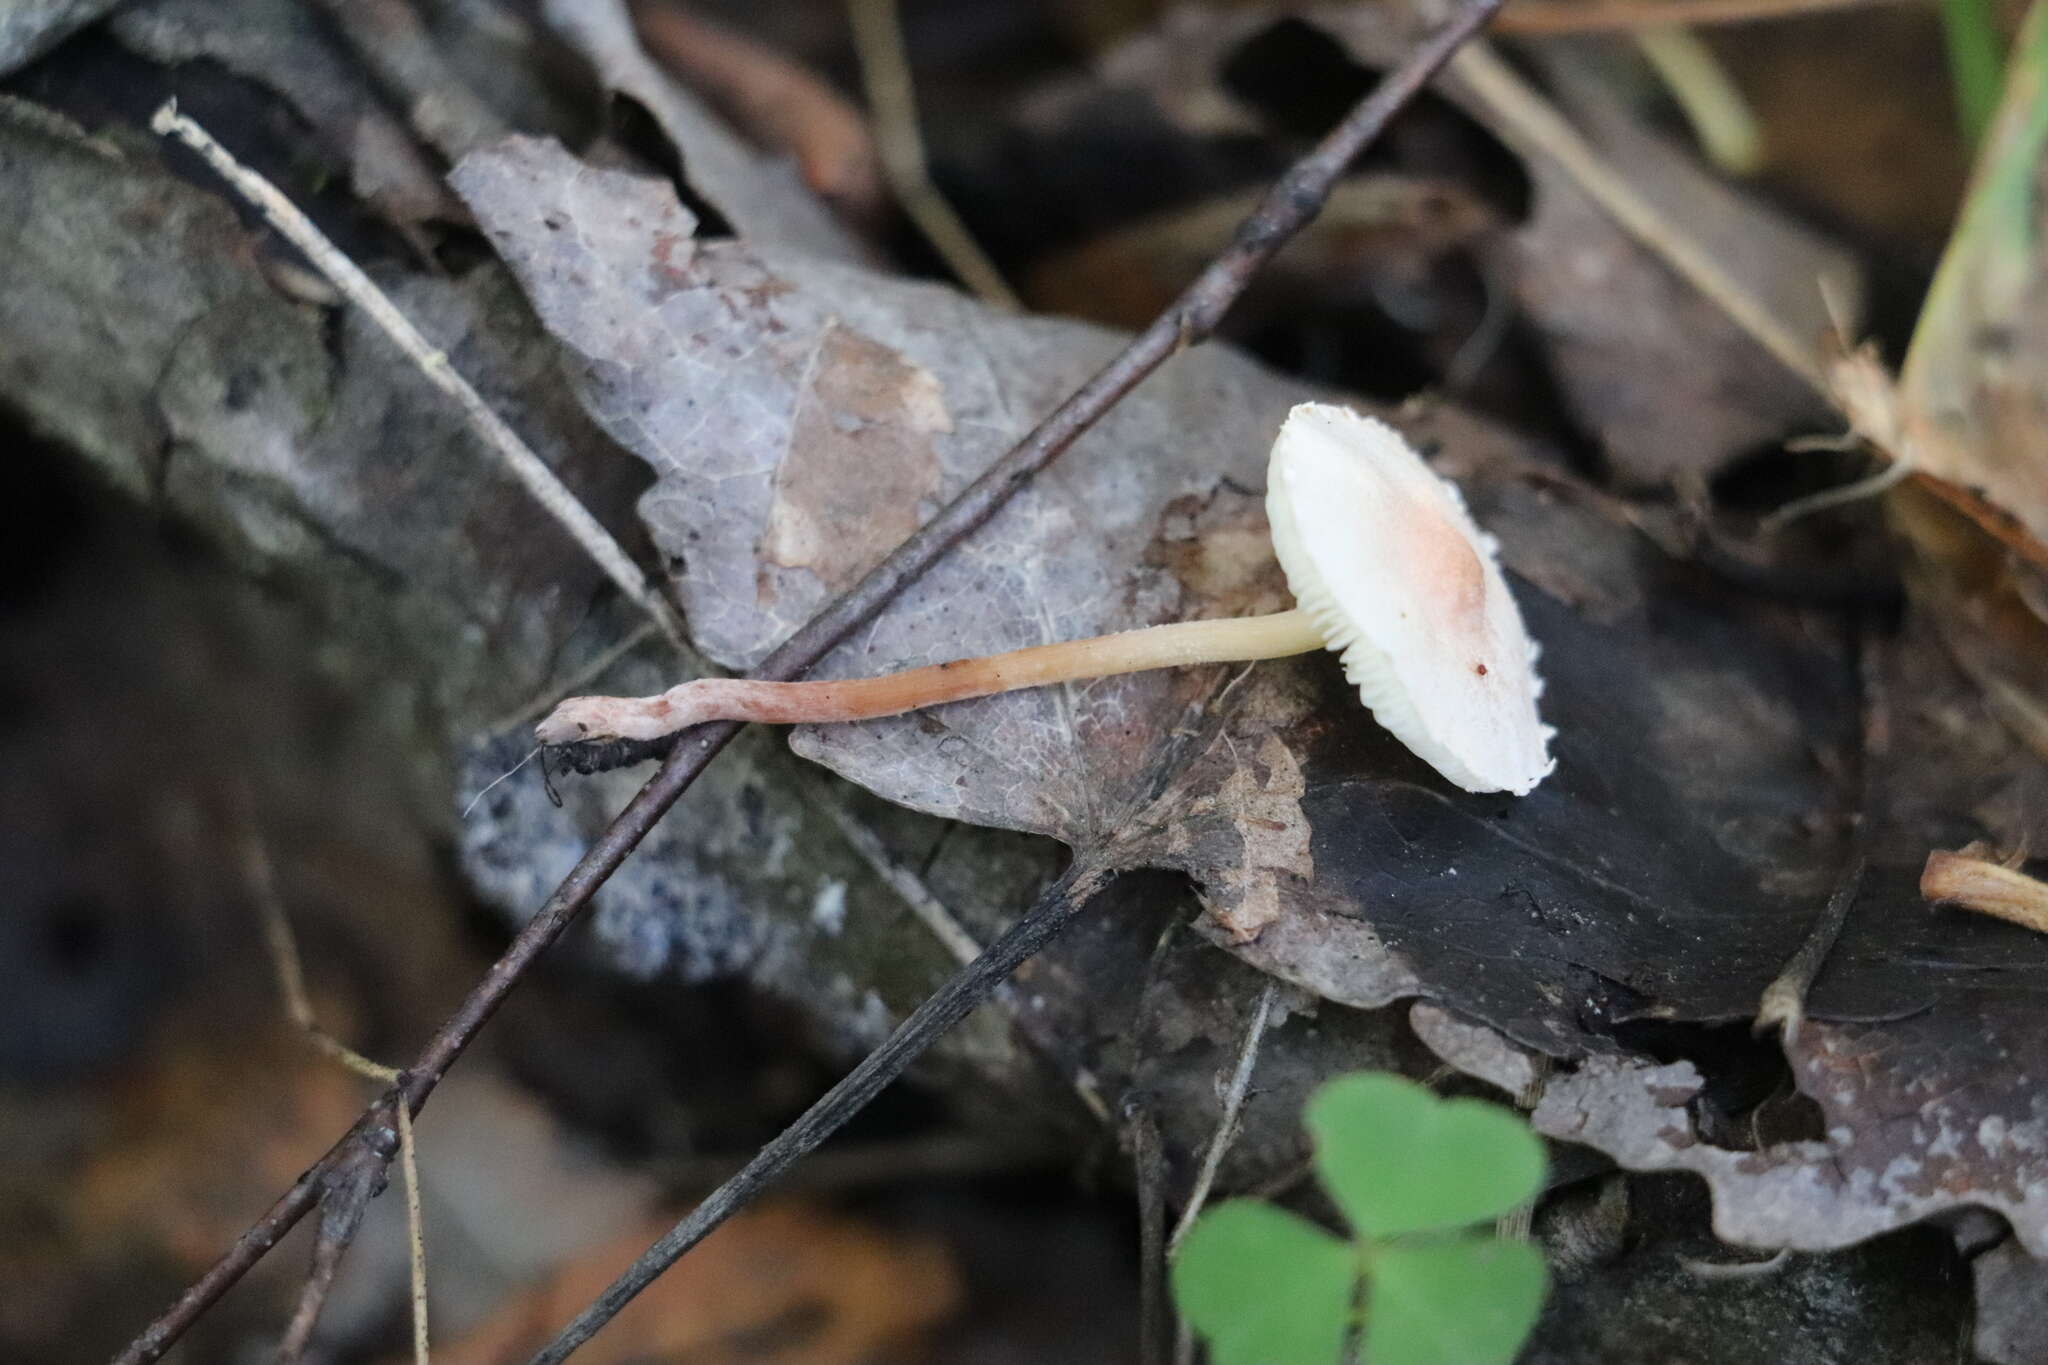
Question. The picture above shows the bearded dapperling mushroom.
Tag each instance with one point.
(1385, 564)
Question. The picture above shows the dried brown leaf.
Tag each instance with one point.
(783, 1284)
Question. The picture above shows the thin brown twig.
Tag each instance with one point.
(1148, 1164)
(284, 960)
(291, 982)
(939, 919)
(416, 1242)
(1783, 1004)
(1193, 317)
(347, 1194)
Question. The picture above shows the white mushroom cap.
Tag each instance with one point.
(1383, 556)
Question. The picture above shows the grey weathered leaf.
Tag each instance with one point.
(800, 415)
(1899, 1147)
(2012, 1306)
(28, 28)
(762, 197)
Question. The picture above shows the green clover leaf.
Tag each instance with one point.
(1398, 1159)
(1265, 1287)
(1411, 1172)
(1469, 1301)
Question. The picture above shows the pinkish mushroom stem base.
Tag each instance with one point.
(1238, 640)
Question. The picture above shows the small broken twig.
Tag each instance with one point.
(346, 1195)
(284, 959)
(892, 104)
(525, 465)
(1148, 1164)
(1783, 1004)
(1600, 16)
(338, 1228)
(1973, 882)
(1226, 1122)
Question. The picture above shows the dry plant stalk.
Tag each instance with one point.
(345, 275)
(892, 100)
(1540, 17)
(298, 1007)
(1972, 881)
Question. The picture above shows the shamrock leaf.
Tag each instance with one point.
(1410, 1171)
(1265, 1287)
(1397, 1159)
(1469, 1301)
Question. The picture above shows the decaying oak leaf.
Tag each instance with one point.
(1953, 1131)
(724, 368)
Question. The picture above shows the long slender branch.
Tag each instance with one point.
(1292, 202)
(927, 1023)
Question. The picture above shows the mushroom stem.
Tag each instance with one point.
(1234, 640)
